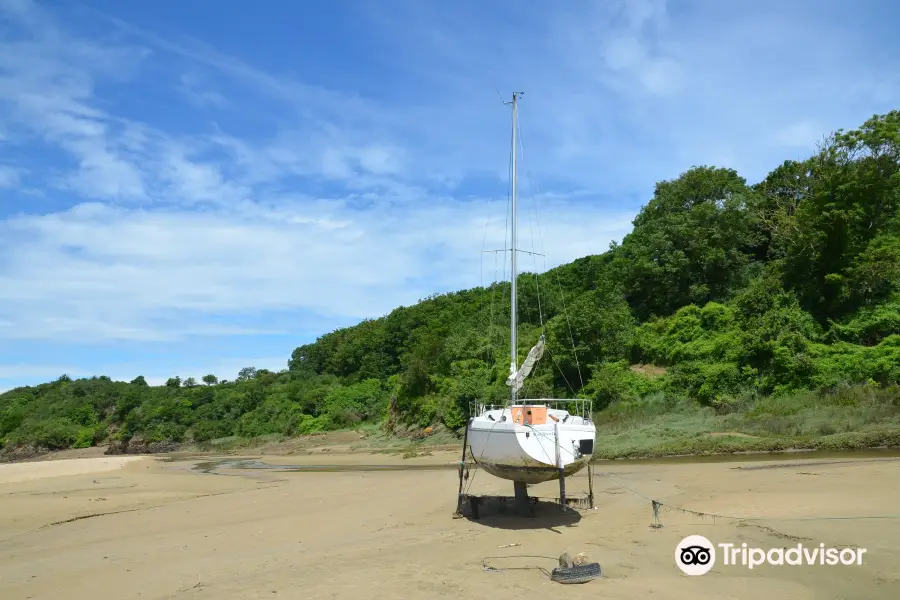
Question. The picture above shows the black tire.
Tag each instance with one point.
(579, 574)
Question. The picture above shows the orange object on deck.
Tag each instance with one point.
(531, 415)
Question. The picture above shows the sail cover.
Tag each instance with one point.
(517, 378)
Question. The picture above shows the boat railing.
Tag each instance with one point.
(582, 407)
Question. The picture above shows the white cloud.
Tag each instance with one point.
(9, 176)
(195, 90)
(124, 271)
(47, 88)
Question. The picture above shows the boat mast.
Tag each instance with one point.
(514, 251)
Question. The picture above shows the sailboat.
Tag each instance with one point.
(529, 441)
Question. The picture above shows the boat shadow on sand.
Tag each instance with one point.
(503, 512)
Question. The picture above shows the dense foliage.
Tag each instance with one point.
(722, 290)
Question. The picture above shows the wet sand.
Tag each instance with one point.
(29, 471)
(150, 529)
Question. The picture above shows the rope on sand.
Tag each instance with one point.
(657, 504)
(568, 572)
(486, 567)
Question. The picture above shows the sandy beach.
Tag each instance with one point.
(144, 528)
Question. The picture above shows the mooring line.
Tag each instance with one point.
(657, 504)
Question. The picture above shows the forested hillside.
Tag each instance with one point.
(723, 291)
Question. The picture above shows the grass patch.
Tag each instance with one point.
(370, 437)
(234, 443)
(405, 440)
(846, 418)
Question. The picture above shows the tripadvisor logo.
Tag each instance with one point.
(696, 555)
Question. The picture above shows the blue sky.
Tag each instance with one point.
(194, 187)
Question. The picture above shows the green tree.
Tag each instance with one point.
(597, 327)
(839, 237)
(691, 244)
(246, 374)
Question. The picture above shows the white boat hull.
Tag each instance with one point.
(527, 453)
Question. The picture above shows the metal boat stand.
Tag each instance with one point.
(473, 506)
(470, 505)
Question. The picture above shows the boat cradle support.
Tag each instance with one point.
(470, 505)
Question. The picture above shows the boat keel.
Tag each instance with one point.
(520, 491)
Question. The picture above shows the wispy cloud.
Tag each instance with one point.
(192, 191)
(127, 269)
(9, 176)
(192, 88)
